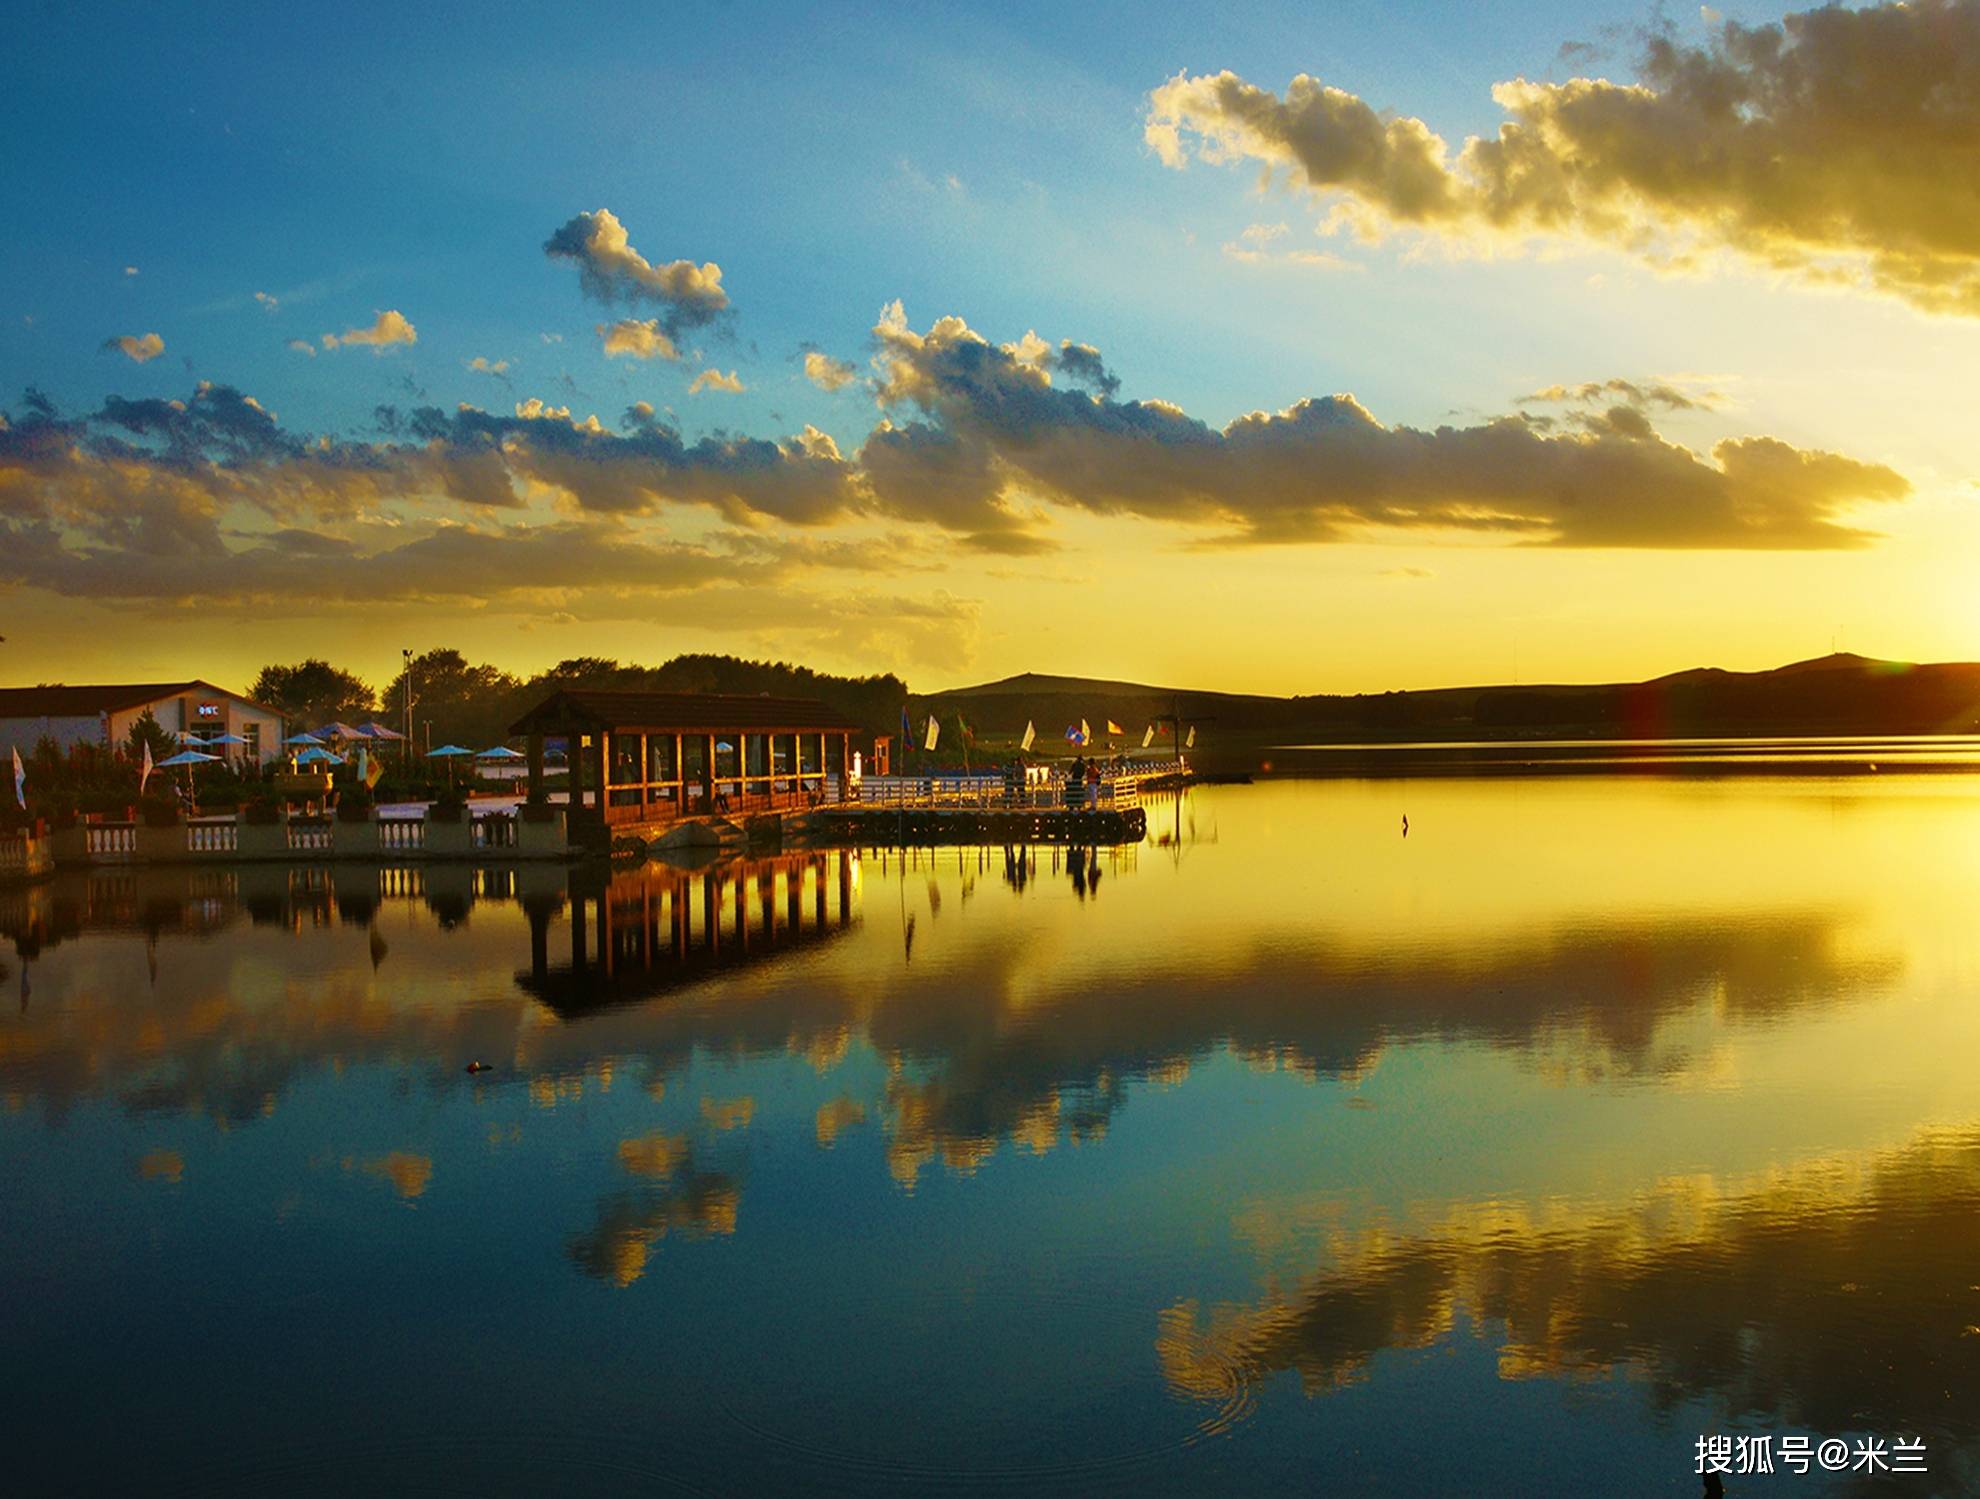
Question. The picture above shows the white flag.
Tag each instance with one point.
(1030, 733)
(20, 779)
(144, 770)
(1190, 743)
(934, 732)
(1148, 736)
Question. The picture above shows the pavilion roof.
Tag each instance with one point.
(602, 709)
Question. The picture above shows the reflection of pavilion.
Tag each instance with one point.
(644, 932)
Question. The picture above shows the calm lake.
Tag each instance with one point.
(1282, 1153)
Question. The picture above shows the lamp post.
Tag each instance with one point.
(406, 678)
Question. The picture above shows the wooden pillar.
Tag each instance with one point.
(574, 761)
(536, 767)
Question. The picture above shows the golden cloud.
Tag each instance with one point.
(636, 339)
(389, 328)
(138, 348)
(713, 379)
(1838, 147)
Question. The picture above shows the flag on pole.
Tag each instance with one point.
(20, 779)
(1030, 733)
(934, 732)
(1114, 728)
(144, 770)
(1148, 736)
(907, 729)
(373, 771)
(963, 728)
(1085, 734)
(1190, 743)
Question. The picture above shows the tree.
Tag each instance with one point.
(313, 692)
(146, 730)
(465, 703)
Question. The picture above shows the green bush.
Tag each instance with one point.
(262, 811)
(354, 804)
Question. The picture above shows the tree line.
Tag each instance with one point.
(471, 704)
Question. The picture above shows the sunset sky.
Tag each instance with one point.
(1284, 348)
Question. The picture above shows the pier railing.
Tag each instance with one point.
(218, 835)
(993, 791)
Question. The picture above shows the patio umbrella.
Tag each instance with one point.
(222, 739)
(450, 753)
(378, 731)
(338, 731)
(186, 757)
(500, 752)
(303, 739)
(316, 755)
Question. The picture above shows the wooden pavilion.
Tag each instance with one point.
(652, 758)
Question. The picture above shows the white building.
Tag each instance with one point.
(104, 715)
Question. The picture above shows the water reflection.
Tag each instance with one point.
(1576, 1074)
(636, 934)
(1834, 1296)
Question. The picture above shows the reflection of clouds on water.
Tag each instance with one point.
(617, 1246)
(985, 1053)
(835, 1117)
(407, 1171)
(161, 1165)
(1837, 1295)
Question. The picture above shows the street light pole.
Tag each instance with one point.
(406, 678)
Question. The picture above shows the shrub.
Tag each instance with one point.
(262, 811)
(354, 805)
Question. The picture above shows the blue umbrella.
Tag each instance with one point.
(500, 752)
(447, 752)
(186, 757)
(316, 754)
(303, 739)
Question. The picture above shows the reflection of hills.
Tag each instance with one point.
(645, 932)
(1838, 1297)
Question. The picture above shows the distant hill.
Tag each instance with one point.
(1835, 694)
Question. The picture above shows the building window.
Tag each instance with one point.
(835, 754)
(251, 751)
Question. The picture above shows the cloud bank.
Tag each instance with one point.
(1838, 147)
